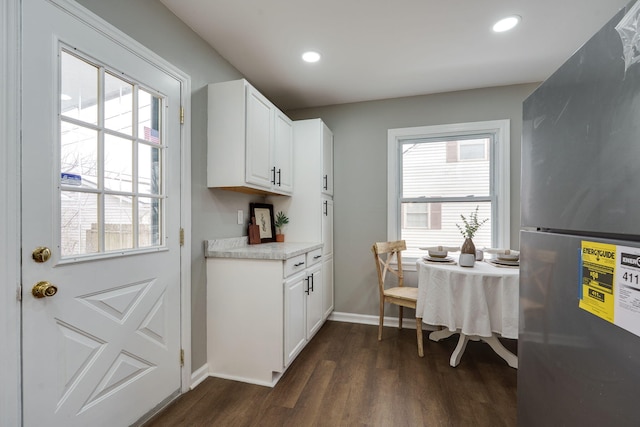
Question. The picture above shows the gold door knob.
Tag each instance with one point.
(41, 254)
(43, 289)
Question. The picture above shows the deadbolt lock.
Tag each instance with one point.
(43, 289)
(41, 254)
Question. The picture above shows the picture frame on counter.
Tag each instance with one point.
(263, 213)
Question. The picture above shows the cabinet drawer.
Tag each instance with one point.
(314, 256)
(295, 264)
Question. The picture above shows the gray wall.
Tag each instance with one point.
(360, 168)
(360, 155)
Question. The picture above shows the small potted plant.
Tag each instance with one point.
(471, 226)
(280, 221)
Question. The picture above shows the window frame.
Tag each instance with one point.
(500, 172)
(100, 191)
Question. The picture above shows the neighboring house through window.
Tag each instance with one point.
(437, 173)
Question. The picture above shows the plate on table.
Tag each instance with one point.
(443, 260)
(505, 262)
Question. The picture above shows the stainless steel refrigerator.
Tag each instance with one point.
(579, 343)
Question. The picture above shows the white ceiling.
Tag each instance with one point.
(377, 49)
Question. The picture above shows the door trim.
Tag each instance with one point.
(10, 215)
(10, 314)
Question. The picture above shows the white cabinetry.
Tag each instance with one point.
(310, 209)
(327, 160)
(303, 297)
(295, 315)
(314, 293)
(262, 312)
(249, 141)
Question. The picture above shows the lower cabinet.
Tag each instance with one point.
(327, 288)
(261, 314)
(303, 309)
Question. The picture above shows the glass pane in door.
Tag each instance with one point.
(78, 155)
(148, 169)
(79, 89)
(149, 117)
(79, 232)
(149, 210)
(118, 104)
(118, 218)
(118, 163)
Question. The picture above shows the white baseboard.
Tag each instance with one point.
(367, 319)
(200, 375)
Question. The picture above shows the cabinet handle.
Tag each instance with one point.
(317, 256)
(273, 171)
(311, 282)
(298, 264)
(306, 291)
(325, 186)
(279, 177)
(325, 208)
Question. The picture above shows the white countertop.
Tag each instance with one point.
(237, 247)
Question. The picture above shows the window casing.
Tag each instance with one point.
(448, 170)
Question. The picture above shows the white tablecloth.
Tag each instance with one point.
(477, 301)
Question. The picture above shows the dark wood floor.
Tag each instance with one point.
(345, 377)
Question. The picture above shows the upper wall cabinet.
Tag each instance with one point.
(250, 141)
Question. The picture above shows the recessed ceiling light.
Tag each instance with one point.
(506, 24)
(311, 56)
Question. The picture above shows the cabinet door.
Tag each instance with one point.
(327, 287)
(327, 160)
(327, 226)
(258, 139)
(294, 317)
(313, 283)
(283, 153)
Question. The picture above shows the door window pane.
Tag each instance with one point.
(118, 104)
(118, 218)
(149, 219)
(118, 163)
(79, 89)
(78, 155)
(148, 169)
(149, 117)
(78, 223)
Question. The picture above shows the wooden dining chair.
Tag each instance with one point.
(385, 255)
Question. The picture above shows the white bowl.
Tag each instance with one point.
(438, 254)
(508, 257)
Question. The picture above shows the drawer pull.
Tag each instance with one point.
(317, 256)
(298, 264)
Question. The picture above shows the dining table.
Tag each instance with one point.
(478, 303)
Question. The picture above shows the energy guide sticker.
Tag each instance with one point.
(610, 283)
(598, 279)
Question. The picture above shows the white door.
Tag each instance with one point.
(101, 191)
